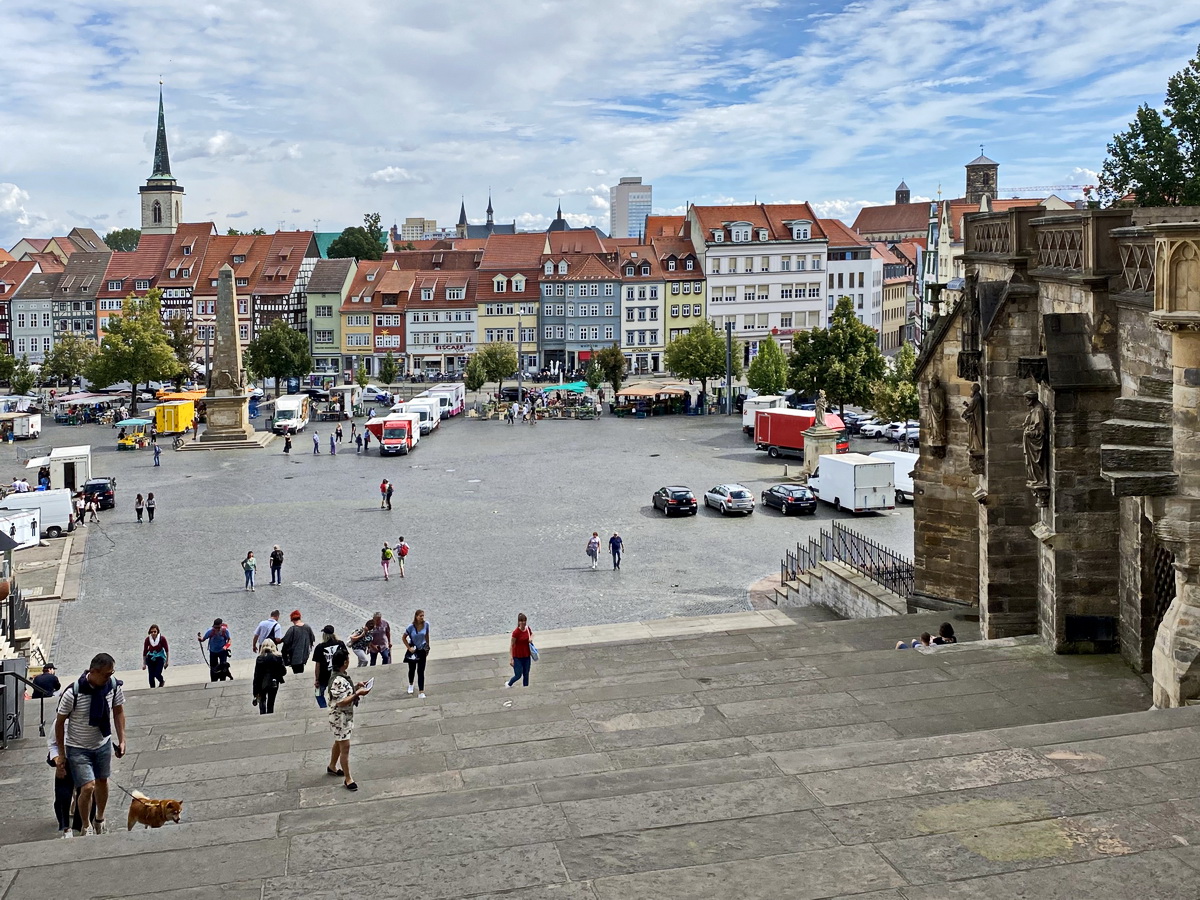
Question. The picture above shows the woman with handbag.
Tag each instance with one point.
(343, 697)
(155, 655)
(360, 641)
(416, 643)
(521, 652)
(268, 676)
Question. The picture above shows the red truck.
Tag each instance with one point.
(781, 431)
(393, 434)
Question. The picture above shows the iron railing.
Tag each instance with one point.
(885, 567)
(16, 615)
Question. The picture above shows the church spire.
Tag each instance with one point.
(489, 209)
(162, 161)
(462, 212)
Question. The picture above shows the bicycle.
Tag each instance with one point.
(178, 443)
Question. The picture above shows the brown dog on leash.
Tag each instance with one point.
(153, 813)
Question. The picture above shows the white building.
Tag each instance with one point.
(630, 202)
(855, 271)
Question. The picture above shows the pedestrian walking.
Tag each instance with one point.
(276, 561)
(268, 629)
(47, 683)
(298, 643)
(385, 559)
(80, 507)
(360, 642)
(366, 441)
(416, 644)
(287, 444)
(343, 698)
(219, 642)
(156, 656)
(316, 444)
(381, 640)
(151, 505)
(89, 712)
(615, 546)
(358, 443)
(157, 453)
(388, 495)
(138, 505)
(401, 553)
(195, 428)
(520, 652)
(93, 509)
(70, 815)
(593, 548)
(339, 432)
(323, 656)
(332, 444)
(268, 676)
(353, 430)
(249, 564)
(383, 486)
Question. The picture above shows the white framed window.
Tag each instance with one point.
(114, 285)
(456, 293)
(814, 290)
(785, 292)
(654, 314)
(21, 341)
(559, 331)
(427, 293)
(670, 265)
(570, 309)
(141, 284)
(762, 234)
(718, 237)
(629, 314)
(559, 309)
(654, 292)
(324, 312)
(547, 289)
(687, 287)
(358, 340)
(571, 290)
(686, 311)
(674, 287)
(243, 332)
(695, 309)
(641, 314)
(675, 311)
(629, 337)
(609, 290)
(629, 293)
(243, 307)
(323, 337)
(785, 264)
(548, 268)
(562, 267)
(499, 284)
(570, 332)
(608, 332)
(549, 330)
(629, 271)
(242, 282)
(518, 284)
(239, 259)
(689, 264)
(560, 290)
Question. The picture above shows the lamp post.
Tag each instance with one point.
(728, 368)
(520, 367)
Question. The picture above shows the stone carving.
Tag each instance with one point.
(1185, 278)
(1034, 443)
(936, 424)
(819, 408)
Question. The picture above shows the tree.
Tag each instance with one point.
(365, 242)
(476, 374)
(182, 338)
(22, 378)
(68, 358)
(700, 354)
(593, 375)
(7, 366)
(361, 376)
(843, 360)
(279, 352)
(768, 370)
(388, 368)
(1157, 158)
(135, 347)
(611, 362)
(499, 361)
(234, 231)
(123, 239)
(895, 397)
(373, 226)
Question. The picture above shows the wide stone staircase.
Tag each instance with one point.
(1136, 454)
(766, 755)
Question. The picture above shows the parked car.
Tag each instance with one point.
(857, 425)
(894, 433)
(373, 395)
(675, 498)
(103, 489)
(730, 498)
(874, 429)
(509, 394)
(790, 498)
(912, 435)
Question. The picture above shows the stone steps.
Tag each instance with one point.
(808, 753)
(1136, 453)
(1142, 484)
(1142, 409)
(1135, 432)
(1130, 458)
(1155, 388)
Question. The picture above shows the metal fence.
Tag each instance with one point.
(885, 567)
(16, 615)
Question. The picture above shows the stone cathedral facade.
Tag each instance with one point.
(1058, 485)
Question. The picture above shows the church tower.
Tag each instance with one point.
(162, 198)
(983, 177)
(491, 223)
(461, 228)
(902, 194)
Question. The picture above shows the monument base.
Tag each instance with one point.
(227, 422)
(819, 440)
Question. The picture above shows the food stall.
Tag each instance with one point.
(174, 416)
(134, 434)
(649, 399)
(68, 467)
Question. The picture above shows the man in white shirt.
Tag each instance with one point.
(267, 628)
(89, 710)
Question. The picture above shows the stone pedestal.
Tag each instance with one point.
(818, 440)
(227, 404)
(227, 419)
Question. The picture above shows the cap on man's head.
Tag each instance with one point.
(48, 667)
(295, 614)
(328, 629)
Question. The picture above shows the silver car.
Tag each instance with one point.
(730, 498)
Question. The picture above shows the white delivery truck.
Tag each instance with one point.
(453, 398)
(429, 409)
(752, 405)
(291, 414)
(855, 482)
(905, 463)
(414, 419)
(54, 507)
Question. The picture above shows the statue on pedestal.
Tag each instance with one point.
(936, 417)
(972, 414)
(820, 408)
(1034, 443)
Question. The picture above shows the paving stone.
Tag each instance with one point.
(519, 734)
(799, 721)
(909, 779)
(833, 735)
(600, 710)
(242, 890)
(221, 809)
(228, 786)
(558, 767)
(853, 683)
(207, 753)
(348, 847)
(373, 749)
(713, 696)
(674, 754)
(797, 876)
(1178, 818)
(431, 878)
(632, 781)
(506, 718)
(501, 754)
(377, 784)
(249, 765)
(574, 890)
(1115, 789)
(925, 691)
(683, 846)
(970, 720)
(681, 806)
(661, 718)
(269, 729)
(1125, 750)
(875, 753)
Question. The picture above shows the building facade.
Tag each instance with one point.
(504, 315)
(643, 309)
(580, 308)
(855, 271)
(328, 287)
(630, 202)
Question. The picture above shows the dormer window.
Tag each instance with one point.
(670, 265)
(718, 237)
(141, 284)
(426, 293)
(171, 274)
(762, 234)
(562, 267)
(187, 249)
(548, 269)
(370, 276)
(740, 234)
(499, 284)
(689, 264)
(645, 270)
(185, 273)
(800, 232)
(629, 271)
(518, 283)
(239, 259)
(114, 285)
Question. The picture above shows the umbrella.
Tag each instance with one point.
(134, 423)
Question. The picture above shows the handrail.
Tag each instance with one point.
(41, 700)
(885, 567)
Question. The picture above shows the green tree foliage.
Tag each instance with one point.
(361, 377)
(593, 375)
(476, 374)
(1157, 158)
(360, 242)
(68, 357)
(123, 239)
(7, 365)
(895, 397)
(279, 352)
(22, 378)
(373, 226)
(499, 361)
(700, 354)
(388, 368)
(135, 347)
(611, 362)
(182, 338)
(843, 360)
(768, 370)
(234, 231)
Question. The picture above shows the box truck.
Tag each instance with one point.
(394, 434)
(428, 408)
(905, 463)
(781, 431)
(453, 398)
(54, 508)
(751, 407)
(854, 482)
(291, 414)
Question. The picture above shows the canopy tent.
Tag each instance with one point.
(651, 390)
(574, 387)
(134, 423)
(86, 400)
(182, 395)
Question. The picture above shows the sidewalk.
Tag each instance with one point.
(48, 575)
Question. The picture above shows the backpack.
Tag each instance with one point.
(388, 554)
(403, 550)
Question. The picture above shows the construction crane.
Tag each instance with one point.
(1048, 187)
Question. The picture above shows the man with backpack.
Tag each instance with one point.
(401, 553)
(88, 713)
(277, 566)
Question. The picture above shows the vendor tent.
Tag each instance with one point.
(574, 387)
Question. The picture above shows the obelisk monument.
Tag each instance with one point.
(227, 402)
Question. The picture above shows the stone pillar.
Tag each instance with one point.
(226, 404)
(818, 440)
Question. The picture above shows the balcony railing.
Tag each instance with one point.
(885, 567)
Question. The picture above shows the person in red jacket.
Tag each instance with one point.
(520, 653)
(156, 655)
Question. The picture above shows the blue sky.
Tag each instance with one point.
(305, 111)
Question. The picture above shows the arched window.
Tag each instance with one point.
(177, 212)
(156, 213)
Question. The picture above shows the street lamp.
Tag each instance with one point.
(520, 361)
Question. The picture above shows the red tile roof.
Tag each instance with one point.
(893, 219)
(664, 226)
(13, 275)
(583, 267)
(582, 241)
(47, 262)
(514, 251)
(771, 216)
(841, 236)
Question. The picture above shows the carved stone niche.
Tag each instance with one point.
(969, 364)
(1177, 276)
(1034, 367)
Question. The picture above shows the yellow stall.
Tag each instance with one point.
(174, 416)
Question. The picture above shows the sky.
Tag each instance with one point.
(308, 115)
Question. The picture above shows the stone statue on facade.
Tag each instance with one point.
(936, 415)
(1033, 440)
(972, 414)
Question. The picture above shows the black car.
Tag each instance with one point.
(789, 498)
(674, 499)
(104, 490)
(509, 394)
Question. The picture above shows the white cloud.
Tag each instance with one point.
(392, 175)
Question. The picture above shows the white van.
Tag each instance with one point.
(54, 507)
(291, 414)
(752, 405)
(456, 404)
(905, 463)
(426, 409)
